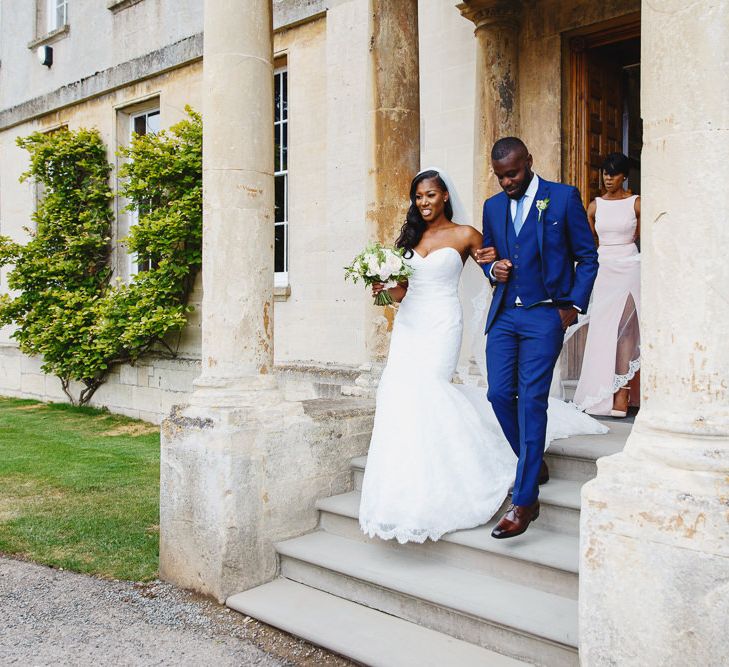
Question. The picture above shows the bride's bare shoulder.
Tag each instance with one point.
(467, 232)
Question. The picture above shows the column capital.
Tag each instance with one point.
(491, 12)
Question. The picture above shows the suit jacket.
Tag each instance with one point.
(566, 245)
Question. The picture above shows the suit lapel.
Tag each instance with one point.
(542, 193)
(502, 214)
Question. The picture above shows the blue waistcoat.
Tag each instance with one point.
(526, 280)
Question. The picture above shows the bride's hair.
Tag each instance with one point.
(412, 230)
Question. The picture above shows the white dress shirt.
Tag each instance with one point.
(529, 195)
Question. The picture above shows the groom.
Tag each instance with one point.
(543, 279)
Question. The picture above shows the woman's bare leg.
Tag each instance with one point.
(626, 350)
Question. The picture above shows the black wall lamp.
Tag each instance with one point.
(45, 55)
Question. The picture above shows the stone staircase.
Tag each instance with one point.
(467, 599)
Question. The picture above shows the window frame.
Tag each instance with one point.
(281, 278)
(52, 14)
(133, 265)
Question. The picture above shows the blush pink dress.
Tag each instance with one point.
(612, 350)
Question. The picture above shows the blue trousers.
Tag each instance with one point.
(521, 350)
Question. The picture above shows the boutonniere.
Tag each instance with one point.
(542, 205)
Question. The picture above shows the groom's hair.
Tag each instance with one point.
(507, 146)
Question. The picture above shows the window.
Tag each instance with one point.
(281, 178)
(145, 122)
(57, 14)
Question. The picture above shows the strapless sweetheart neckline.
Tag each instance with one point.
(432, 252)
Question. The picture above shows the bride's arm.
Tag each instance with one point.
(397, 293)
(476, 250)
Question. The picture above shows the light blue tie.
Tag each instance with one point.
(518, 218)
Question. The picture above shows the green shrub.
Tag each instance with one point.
(65, 305)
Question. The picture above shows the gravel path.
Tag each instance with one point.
(54, 617)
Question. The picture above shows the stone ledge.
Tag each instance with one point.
(51, 37)
(334, 372)
(290, 13)
(325, 408)
(115, 6)
(281, 293)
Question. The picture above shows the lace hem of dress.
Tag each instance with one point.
(403, 535)
(619, 381)
(417, 535)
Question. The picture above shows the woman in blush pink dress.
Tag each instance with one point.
(612, 351)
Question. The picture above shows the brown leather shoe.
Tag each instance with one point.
(515, 521)
(543, 474)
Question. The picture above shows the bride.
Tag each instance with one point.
(438, 460)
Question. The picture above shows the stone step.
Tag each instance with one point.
(559, 499)
(362, 634)
(569, 458)
(515, 620)
(545, 559)
(575, 458)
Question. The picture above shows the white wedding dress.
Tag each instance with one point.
(438, 460)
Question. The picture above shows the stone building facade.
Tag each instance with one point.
(152, 61)
(266, 420)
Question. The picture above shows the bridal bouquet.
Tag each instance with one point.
(379, 264)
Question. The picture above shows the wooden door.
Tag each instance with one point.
(598, 97)
(604, 125)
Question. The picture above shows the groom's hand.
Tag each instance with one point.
(568, 316)
(501, 270)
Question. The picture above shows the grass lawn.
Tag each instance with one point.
(79, 489)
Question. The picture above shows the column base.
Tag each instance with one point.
(235, 479)
(365, 386)
(654, 570)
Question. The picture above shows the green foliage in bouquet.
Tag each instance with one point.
(379, 264)
(64, 305)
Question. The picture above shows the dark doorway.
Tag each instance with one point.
(603, 106)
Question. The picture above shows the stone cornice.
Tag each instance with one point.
(491, 12)
(152, 64)
(118, 5)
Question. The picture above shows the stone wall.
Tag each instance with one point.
(97, 39)
(322, 319)
(145, 391)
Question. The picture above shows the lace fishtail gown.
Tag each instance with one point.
(438, 460)
(612, 350)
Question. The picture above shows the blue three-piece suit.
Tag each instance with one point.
(554, 265)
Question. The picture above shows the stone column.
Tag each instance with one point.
(394, 136)
(654, 572)
(212, 462)
(238, 187)
(497, 111)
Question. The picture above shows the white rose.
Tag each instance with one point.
(372, 265)
(393, 263)
(384, 271)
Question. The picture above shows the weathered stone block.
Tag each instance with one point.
(234, 481)
(33, 384)
(127, 374)
(654, 570)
